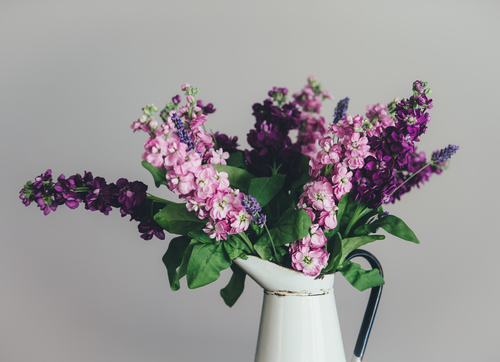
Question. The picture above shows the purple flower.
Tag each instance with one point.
(176, 100)
(64, 192)
(150, 228)
(130, 194)
(208, 109)
(226, 143)
(182, 132)
(253, 208)
(340, 110)
(41, 192)
(100, 195)
(440, 157)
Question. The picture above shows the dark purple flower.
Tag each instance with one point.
(64, 192)
(150, 228)
(208, 109)
(100, 195)
(226, 143)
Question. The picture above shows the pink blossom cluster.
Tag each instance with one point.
(312, 126)
(309, 254)
(378, 118)
(342, 151)
(185, 150)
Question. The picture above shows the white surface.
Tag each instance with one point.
(79, 286)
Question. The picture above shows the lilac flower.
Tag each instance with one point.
(440, 157)
(340, 110)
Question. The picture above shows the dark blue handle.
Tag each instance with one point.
(373, 302)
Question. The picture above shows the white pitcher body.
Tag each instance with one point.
(299, 320)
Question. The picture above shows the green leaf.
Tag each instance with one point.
(360, 278)
(397, 227)
(334, 247)
(173, 259)
(346, 206)
(350, 244)
(235, 247)
(202, 237)
(159, 175)
(176, 219)
(265, 188)
(238, 178)
(237, 159)
(205, 264)
(291, 226)
(232, 291)
(264, 251)
(304, 166)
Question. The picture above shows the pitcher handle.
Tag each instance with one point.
(371, 308)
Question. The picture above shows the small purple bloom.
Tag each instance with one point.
(176, 100)
(340, 110)
(440, 157)
(252, 207)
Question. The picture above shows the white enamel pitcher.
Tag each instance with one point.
(299, 321)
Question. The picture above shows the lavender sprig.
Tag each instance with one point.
(440, 157)
(253, 208)
(340, 110)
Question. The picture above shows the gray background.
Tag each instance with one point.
(80, 286)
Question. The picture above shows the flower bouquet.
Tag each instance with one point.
(305, 203)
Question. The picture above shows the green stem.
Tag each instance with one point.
(272, 242)
(157, 199)
(82, 189)
(409, 178)
(361, 210)
(247, 241)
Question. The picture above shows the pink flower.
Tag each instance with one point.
(341, 181)
(220, 205)
(316, 238)
(320, 195)
(355, 159)
(328, 219)
(196, 205)
(356, 142)
(309, 260)
(217, 231)
(218, 157)
(206, 184)
(156, 150)
(240, 221)
(176, 152)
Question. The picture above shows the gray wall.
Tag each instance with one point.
(79, 286)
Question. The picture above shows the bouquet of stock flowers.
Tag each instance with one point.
(305, 204)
